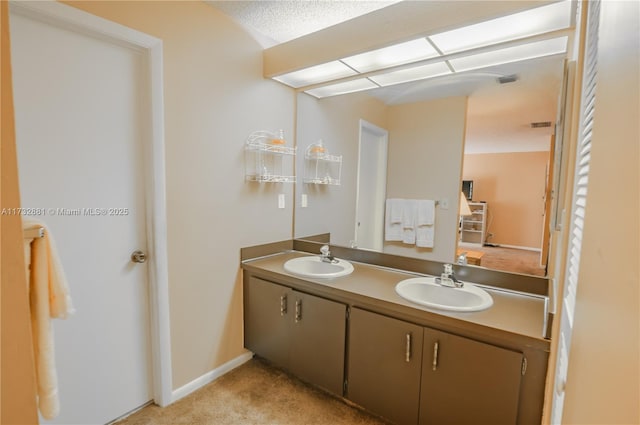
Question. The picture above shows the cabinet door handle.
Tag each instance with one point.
(283, 305)
(298, 310)
(435, 355)
(407, 351)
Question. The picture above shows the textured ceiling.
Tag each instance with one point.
(274, 22)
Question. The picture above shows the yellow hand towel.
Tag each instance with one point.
(49, 298)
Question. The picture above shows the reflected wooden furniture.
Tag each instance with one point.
(474, 226)
(473, 257)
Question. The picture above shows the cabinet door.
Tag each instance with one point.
(468, 382)
(385, 358)
(267, 313)
(318, 341)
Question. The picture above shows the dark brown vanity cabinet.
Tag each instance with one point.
(412, 374)
(299, 332)
(267, 320)
(385, 359)
(468, 382)
(395, 365)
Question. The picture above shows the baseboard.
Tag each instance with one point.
(525, 248)
(208, 377)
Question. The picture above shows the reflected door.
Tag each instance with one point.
(372, 185)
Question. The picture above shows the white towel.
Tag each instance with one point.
(409, 222)
(393, 220)
(426, 212)
(425, 236)
(395, 209)
(49, 298)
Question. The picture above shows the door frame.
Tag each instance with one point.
(384, 135)
(70, 18)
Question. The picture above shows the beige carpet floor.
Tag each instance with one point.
(254, 393)
(511, 260)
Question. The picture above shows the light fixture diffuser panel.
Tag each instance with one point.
(542, 19)
(412, 74)
(522, 52)
(316, 74)
(342, 88)
(397, 54)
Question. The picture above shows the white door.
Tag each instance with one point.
(81, 121)
(372, 186)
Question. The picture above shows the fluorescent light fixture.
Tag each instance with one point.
(316, 74)
(522, 52)
(530, 22)
(411, 74)
(342, 88)
(408, 55)
(398, 54)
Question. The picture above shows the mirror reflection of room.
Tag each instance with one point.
(505, 174)
(428, 139)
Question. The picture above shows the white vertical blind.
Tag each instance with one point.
(583, 158)
(579, 201)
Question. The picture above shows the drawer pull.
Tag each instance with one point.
(407, 352)
(298, 310)
(435, 355)
(283, 305)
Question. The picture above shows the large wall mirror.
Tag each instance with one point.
(493, 127)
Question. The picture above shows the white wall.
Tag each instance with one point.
(215, 96)
(603, 385)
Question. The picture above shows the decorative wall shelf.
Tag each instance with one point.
(268, 159)
(320, 167)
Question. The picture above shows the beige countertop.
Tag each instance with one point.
(514, 319)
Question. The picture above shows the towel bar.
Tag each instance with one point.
(35, 232)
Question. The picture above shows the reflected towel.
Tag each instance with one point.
(426, 212)
(425, 236)
(395, 208)
(409, 221)
(393, 220)
(49, 298)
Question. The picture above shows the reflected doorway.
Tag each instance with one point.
(371, 186)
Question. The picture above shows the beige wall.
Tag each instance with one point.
(513, 186)
(426, 141)
(215, 97)
(17, 386)
(335, 120)
(604, 377)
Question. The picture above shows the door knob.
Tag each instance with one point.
(138, 256)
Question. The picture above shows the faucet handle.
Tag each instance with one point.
(324, 250)
(448, 269)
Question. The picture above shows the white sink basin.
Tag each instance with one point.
(425, 291)
(313, 266)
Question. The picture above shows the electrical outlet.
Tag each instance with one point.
(303, 200)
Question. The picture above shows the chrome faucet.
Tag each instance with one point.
(325, 254)
(447, 278)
